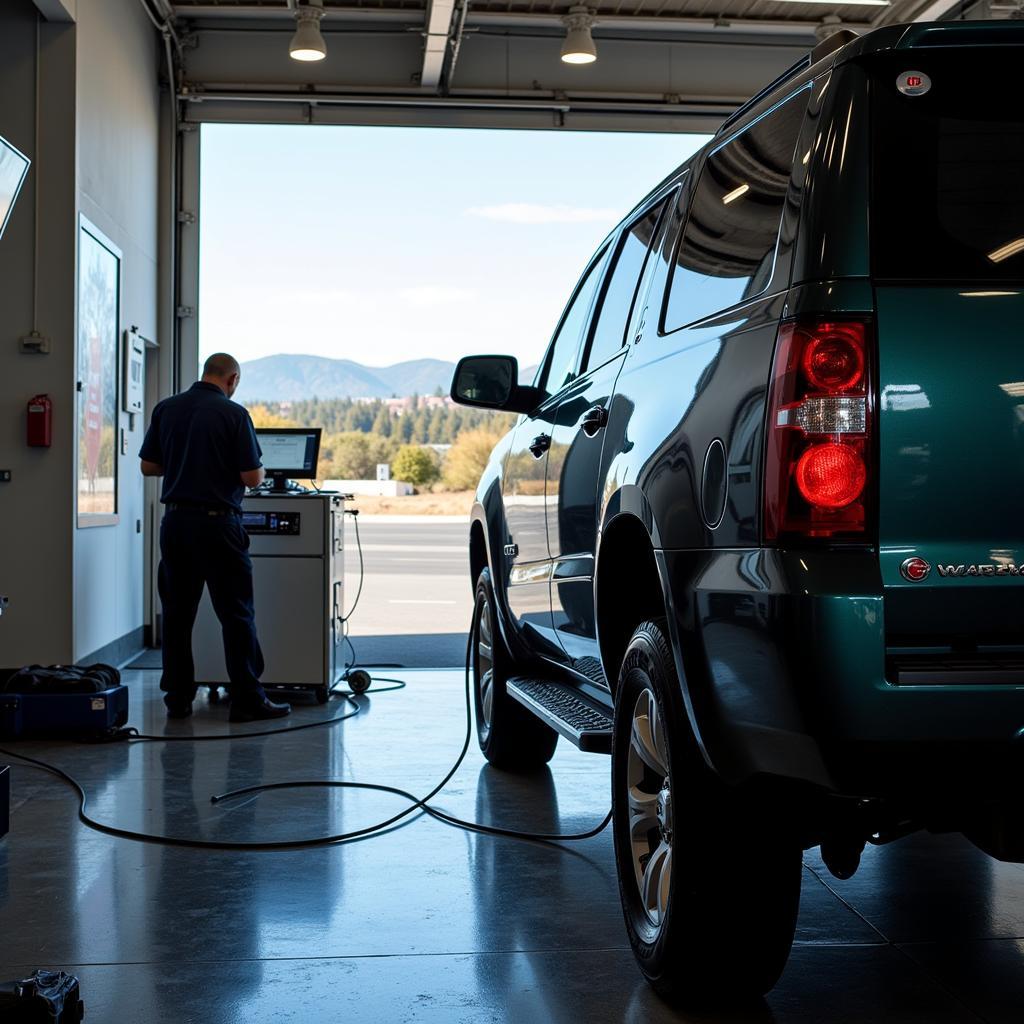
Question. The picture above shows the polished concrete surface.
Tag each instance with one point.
(429, 924)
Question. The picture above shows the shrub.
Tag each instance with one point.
(415, 465)
(468, 457)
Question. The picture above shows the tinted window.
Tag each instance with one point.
(728, 249)
(948, 181)
(620, 291)
(561, 363)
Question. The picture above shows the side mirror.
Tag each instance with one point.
(492, 382)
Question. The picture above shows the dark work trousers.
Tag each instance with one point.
(198, 548)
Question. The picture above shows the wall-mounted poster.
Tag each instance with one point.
(99, 281)
(13, 168)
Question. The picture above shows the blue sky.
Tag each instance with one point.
(386, 244)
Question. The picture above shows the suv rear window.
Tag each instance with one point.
(727, 252)
(948, 167)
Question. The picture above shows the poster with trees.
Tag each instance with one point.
(99, 274)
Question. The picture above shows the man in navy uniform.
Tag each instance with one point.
(205, 448)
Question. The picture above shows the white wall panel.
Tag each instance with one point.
(118, 125)
(36, 506)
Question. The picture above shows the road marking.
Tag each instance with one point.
(412, 601)
(418, 542)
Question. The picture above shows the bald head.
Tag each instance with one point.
(222, 370)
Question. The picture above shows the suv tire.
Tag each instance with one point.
(710, 886)
(510, 736)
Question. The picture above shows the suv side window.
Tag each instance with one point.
(620, 290)
(562, 358)
(727, 251)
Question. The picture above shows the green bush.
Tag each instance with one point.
(415, 465)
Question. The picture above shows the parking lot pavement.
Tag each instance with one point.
(417, 598)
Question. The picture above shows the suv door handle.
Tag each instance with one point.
(539, 445)
(595, 419)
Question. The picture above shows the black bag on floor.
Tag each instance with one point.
(45, 997)
(62, 679)
(63, 700)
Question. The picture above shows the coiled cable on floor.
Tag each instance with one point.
(421, 804)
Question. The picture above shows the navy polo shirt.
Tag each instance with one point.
(204, 441)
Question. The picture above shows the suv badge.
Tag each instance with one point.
(913, 83)
(915, 569)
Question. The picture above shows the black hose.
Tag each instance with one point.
(415, 803)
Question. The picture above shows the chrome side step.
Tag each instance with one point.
(581, 721)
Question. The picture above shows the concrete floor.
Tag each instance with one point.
(429, 924)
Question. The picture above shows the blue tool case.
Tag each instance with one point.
(62, 701)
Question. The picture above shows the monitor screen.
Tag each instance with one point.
(290, 452)
(13, 168)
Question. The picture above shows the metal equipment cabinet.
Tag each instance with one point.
(297, 551)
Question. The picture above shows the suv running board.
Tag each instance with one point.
(581, 721)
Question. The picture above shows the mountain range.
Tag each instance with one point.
(282, 378)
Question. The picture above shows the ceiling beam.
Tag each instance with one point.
(440, 15)
(495, 19)
(57, 10)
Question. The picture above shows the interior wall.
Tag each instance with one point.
(118, 191)
(36, 506)
(72, 592)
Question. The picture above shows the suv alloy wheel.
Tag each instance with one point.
(510, 736)
(709, 886)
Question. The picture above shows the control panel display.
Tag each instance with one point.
(278, 523)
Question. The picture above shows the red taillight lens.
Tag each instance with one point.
(830, 475)
(820, 411)
(834, 358)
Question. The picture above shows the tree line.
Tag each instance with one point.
(358, 436)
(422, 423)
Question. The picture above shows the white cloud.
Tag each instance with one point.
(537, 213)
(427, 296)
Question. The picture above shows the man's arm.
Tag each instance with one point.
(249, 454)
(150, 453)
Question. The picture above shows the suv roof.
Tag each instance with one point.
(892, 37)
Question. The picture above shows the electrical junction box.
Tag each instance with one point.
(134, 371)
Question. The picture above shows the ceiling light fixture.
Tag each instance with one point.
(579, 47)
(828, 26)
(308, 44)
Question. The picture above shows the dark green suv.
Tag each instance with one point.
(758, 531)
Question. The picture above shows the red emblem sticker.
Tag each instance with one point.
(915, 569)
(913, 83)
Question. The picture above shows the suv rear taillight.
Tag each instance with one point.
(818, 465)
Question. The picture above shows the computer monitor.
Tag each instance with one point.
(13, 168)
(289, 453)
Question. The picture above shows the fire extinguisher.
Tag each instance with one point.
(40, 422)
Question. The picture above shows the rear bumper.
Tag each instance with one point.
(783, 656)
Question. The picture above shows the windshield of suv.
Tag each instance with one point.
(948, 160)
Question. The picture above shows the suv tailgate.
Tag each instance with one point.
(951, 445)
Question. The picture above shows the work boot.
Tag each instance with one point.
(179, 705)
(255, 709)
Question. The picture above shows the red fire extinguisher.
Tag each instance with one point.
(40, 421)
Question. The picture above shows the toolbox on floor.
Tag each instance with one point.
(62, 700)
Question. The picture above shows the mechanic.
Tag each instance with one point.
(205, 448)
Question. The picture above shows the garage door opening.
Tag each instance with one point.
(348, 268)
